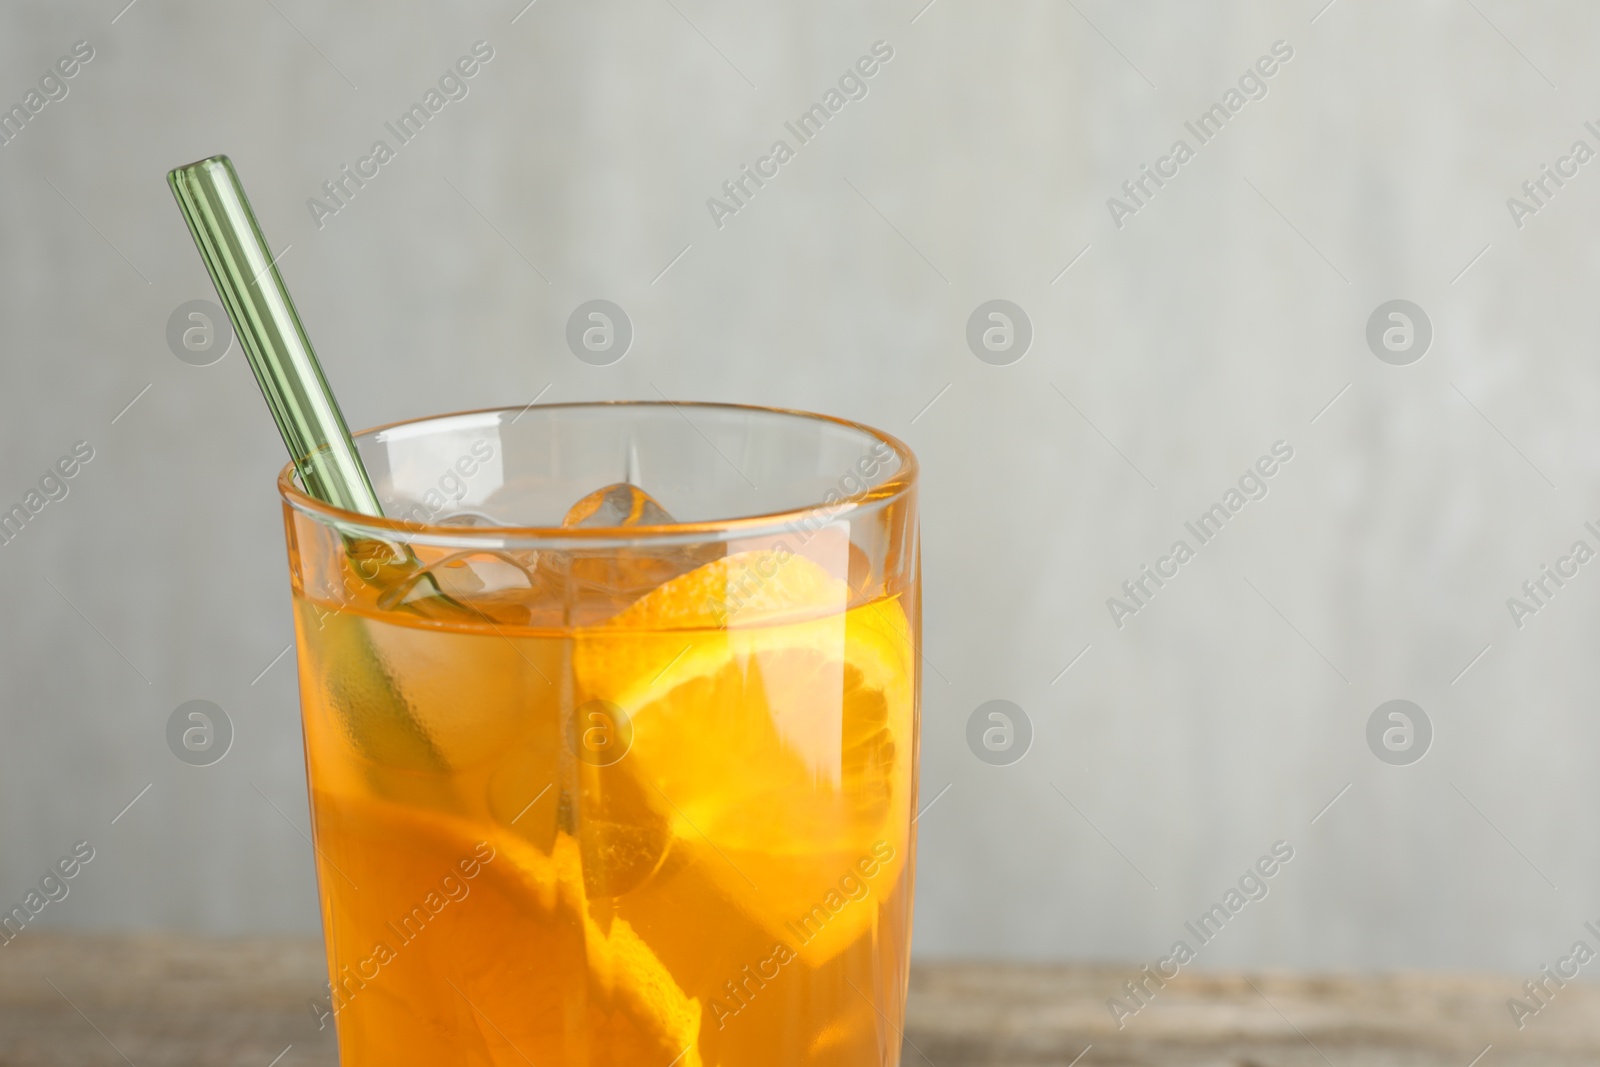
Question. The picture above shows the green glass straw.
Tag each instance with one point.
(274, 341)
(285, 365)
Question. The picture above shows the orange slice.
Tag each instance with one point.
(773, 732)
(511, 957)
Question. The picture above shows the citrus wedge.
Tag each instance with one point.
(773, 731)
(484, 933)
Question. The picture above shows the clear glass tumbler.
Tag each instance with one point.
(611, 735)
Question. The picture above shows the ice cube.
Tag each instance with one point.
(618, 505)
(595, 584)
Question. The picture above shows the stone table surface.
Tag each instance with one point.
(152, 1001)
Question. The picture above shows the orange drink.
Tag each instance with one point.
(594, 786)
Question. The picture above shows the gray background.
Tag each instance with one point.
(1225, 316)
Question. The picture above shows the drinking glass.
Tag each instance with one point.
(611, 731)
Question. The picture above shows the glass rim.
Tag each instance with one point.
(445, 535)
